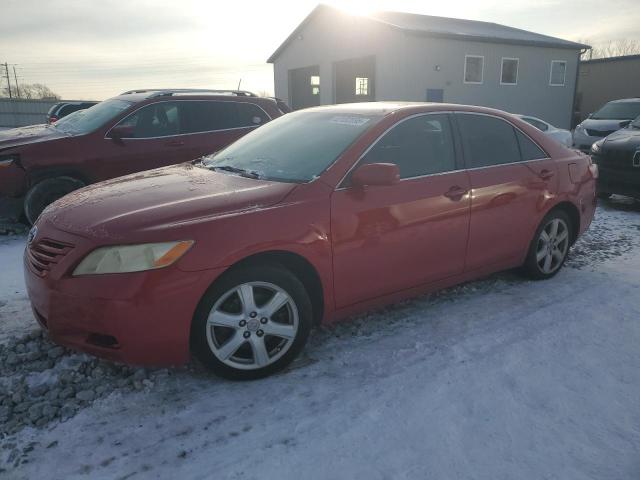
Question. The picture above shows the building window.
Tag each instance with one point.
(473, 69)
(558, 73)
(315, 84)
(362, 86)
(509, 72)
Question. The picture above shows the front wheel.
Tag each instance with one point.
(46, 192)
(549, 247)
(252, 323)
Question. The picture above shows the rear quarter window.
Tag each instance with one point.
(488, 140)
(528, 149)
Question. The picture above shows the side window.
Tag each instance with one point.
(528, 149)
(488, 140)
(250, 115)
(419, 146)
(154, 120)
(539, 125)
(208, 116)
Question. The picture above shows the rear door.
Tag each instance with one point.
(511, 180)
(155, 140)
(211, 125)
(390, 238)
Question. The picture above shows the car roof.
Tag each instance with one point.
(387, 108)
(184, 93)
(626, 100)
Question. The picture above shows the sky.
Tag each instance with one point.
(97, 49)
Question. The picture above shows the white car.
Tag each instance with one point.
(559, 134)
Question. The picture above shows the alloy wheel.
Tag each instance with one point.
(552, 246)
(252, 325)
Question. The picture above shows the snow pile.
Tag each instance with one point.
(499, 378)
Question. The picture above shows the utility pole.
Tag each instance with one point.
(6, 67)
(16, 78)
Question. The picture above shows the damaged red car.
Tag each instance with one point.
(313, 217)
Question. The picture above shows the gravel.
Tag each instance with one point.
(41, 382)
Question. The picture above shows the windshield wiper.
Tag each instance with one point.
(239, 171)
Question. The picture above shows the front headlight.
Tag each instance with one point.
(596, 147)
(132, 258)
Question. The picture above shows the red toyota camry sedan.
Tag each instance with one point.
(315, 216)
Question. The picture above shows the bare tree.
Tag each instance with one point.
(32, 91)
(612, 48)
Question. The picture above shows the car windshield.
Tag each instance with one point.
(86, 121)
(618, 111)
(296, 147)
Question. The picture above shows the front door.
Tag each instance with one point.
(387, 239)
(511, 180)
(154, 140)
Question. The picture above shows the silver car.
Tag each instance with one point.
(611, 117)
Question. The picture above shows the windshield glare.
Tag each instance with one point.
(296, 147)
(618, 111)
(90, 119)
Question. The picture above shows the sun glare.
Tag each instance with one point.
(355, 7)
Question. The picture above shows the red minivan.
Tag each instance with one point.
(135, 131)
(319, 214)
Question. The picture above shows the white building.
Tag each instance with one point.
(334, 57)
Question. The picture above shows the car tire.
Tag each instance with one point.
(236, 334)
(548, 250)
(46, 192)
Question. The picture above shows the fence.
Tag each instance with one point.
(19, 112)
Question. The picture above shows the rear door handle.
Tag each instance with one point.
(175, 143)
(546, 174)
(455, 193)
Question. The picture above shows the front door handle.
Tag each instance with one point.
(175, 143)
(455, 193)
(546, 174)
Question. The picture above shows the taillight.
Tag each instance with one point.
(53, 119)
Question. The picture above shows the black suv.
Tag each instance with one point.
(618, 160)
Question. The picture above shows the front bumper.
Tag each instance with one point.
(619, 182)
(583, 142)
(141, 318)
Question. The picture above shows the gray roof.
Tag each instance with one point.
(444, 27)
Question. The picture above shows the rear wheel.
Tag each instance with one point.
(252, 323)
(550, 246)
(46, 192)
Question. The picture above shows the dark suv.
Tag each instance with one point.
(138, 130)
(62, 109)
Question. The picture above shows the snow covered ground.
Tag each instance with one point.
(497, 379)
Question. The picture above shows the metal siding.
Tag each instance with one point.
(405, 67)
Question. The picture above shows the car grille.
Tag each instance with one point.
(618, 160)
(599, 133)
(45, 253)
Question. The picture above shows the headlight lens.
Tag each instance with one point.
(596, 147)
(132, 258)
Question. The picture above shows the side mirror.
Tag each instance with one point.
(378, 174)
(119, 132)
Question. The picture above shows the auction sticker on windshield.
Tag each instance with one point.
(352, 120)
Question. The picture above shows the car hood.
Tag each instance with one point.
(159, 199)
(625, 139)
(604, 125)
(16, 137)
